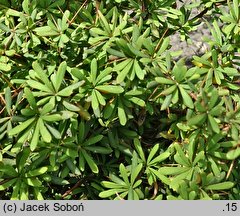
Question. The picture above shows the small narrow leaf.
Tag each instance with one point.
(60, 75)
(35, 137)
(44, 132)
(214, 124)
(30, 98)
(110, 89)
(21, 127)
(187, 100)
(93, 74)
(93, 140)
(220, 186)
(197, 119)
(124, 174)
(93, 166)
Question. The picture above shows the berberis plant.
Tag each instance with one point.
(94, 104)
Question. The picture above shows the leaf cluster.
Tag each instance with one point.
(94, 104)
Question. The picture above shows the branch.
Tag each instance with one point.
(81, 181)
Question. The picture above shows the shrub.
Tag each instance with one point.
(94, 104)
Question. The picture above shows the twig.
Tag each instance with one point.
(119, 196)
(81, 181)
(5, 180)
(202, 13)
(78, 12)
(160, 41)
(155, 191)
(230, 169)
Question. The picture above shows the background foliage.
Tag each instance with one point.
(95, 105)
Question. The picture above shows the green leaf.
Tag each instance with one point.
(105, 24)
(24, 193)
(187, 100)
(37, 172)
(123, 45)
(138, 70)
(35, 137)
(30, 98)
(179, 71)
(135, 173)
(21, 127)
(44, 132)
(72, 167)
(93, 140)
(180, 157)
(94, 101)
(121, 113)
(124, 174)
(8, 100)
(93, 73)
(136, 51)
(175, 183)
(104, 75)
(100, 98)
(25, 6)
(98, 149)
(34, 182)
(22, 158)
(164, 80)
(166, 102)
(48, 107)
(93, 166)
(98, 31)
(117, 180)
(130, 194)
(66, 92)
(16, 189)
(139, 148)
(110, 89)
(217, 32)
(173, 170)
(122, 75)
(81, 131)
(52, 117)
(70, 106)
(42, 75)
(37, 85)
(4, 28)
(163, 156)
(164, 45)
(152, 153)
(215, 168)
(53, 131)
(7, 184)
(5, 67)
(162, 178)
(108, 184)
(59, 181)
(45, 31)
(197, 119)
(214, 124)
(233, 154)
(169, 90)
(115, 53)
(122, 65)
(111, 192)
(60, 75)
(220, 186)
(137, 101)
(8, 170)
(37, 194)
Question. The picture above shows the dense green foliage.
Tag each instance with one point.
(95, 105)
